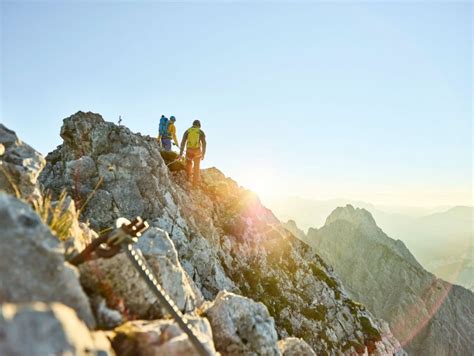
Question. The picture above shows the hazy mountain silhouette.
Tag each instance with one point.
(442, 241)
(428, 315)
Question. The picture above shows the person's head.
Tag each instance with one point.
(197, 123)
(162, 116)
(172, 119)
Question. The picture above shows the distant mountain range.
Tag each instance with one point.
(313, 213)
(441, 238)
(428, 315)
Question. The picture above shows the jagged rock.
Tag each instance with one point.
(124, 174)
(225, 238)
(362, 221)
(428, 315)
(124, 290)
(161, 337)
(107, 318)
(47, 329)
(81, 236)
(270, 265)
(20, 166)
(32, 266)
(293, 346)
(291, 226)
(242, 326)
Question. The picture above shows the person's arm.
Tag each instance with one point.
(173, 134)
(183, 142)
(158, 138)
(202, 137)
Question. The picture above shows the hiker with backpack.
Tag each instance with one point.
(163, 136)
(194, 140)
(172, 131)
(166, 132)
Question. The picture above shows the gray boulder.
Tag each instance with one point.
(161, 337)
(292, 346)
(32, 266)
(124, 290)
(242, 326)
(107, 318)
(20, 166)
(47, 329)
(119, 172)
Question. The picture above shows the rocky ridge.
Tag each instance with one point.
(215, 249)
(428, 315)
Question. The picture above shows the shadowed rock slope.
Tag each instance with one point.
(224, 237)
(428, 315)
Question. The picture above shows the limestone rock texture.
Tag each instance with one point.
(224, 237)
(428, 315)
(293, 346)
(161, 337)
(242, 326)
(32, 265)
(47, 329)
(122, 288)
(20, 166)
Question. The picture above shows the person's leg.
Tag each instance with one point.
(166, 142)
(196, 169)
(189, 163)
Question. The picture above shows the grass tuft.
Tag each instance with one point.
(10, 180)
(88, 199)
(56, 214)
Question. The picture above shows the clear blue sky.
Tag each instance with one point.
(364, 100)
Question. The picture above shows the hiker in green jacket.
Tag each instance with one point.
(194, 140)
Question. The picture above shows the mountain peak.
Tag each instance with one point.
(355, 216)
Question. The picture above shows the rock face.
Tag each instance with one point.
(428, 315)
(123, 289)
(32, 266)
(241, 326)
(161, 337)
(293, 346)
(122, 173)
(47, 329)
(291, 226)
(20, 166)
(225, 238)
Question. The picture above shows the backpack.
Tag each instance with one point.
(163, 129)
(194, 137)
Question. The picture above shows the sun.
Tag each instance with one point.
(264, 183)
